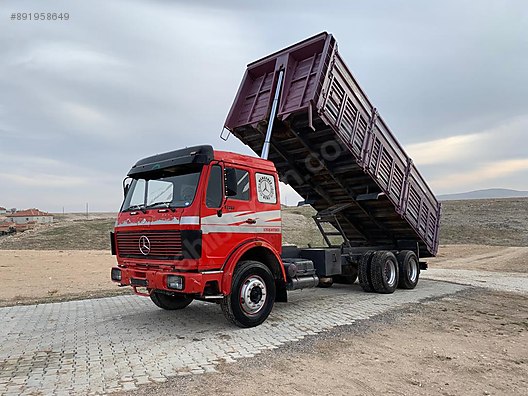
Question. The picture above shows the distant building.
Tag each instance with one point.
(7, 227)
(3, 210)
(30, 216)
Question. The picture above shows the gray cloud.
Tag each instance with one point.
(81, 100)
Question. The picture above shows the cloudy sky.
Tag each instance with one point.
(81, 100)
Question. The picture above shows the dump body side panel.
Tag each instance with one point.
(350, 114)
(330, 144)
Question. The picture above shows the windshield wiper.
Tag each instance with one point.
(135, 207)
(165, 203)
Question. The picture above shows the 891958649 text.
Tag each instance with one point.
(40, 16)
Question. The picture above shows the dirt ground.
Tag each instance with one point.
(481, 257)
(474, 343)
(30, 276)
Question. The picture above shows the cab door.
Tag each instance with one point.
(228, 217)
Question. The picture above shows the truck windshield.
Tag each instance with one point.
(167, 190)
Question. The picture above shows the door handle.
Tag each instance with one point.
(251, 221)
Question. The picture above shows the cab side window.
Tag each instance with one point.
(214, 195)
(242, 177)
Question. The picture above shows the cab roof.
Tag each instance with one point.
(194, 155)
(189, 155)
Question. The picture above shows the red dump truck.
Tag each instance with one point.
(203, 224)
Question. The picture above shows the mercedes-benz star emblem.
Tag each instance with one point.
(144, 245)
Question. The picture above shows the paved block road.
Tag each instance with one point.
(119, 343)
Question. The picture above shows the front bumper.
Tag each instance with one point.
(193, 282)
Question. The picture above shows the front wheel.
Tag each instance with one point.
(170, 302)
(252, 295)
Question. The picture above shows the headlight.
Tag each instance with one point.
(175, 282)
(116, 274)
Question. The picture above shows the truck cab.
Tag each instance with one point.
(202, 224)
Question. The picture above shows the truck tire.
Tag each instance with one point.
(409, 269)
(252, 295)
(364, 271)
(384, 272)
(170, 303)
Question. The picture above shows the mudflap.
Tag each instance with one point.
(281, 295)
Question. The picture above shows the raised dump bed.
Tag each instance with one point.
(330, 144)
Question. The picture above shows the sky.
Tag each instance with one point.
(82, 100)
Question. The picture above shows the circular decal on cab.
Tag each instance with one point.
(266, 188)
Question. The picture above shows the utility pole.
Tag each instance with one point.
(86, 209)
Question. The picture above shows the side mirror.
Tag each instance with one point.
(231, 182)
(126, 186)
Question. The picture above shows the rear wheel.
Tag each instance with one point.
(252, 295)
(384, 272)
(364, 271)
(409, 269)
(170, 302)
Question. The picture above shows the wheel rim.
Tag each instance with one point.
(390, 272)
(412, 270)
(253, 295)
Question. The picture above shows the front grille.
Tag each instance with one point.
(164, 245)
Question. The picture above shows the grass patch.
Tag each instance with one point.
(500, 222)
(69, 235)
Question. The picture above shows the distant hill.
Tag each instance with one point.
(489, 193)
